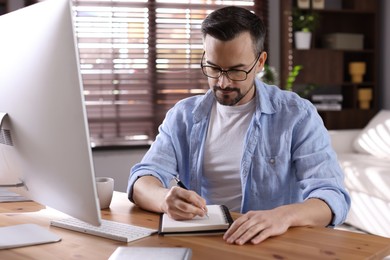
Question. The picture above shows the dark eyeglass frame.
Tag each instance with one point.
(226, 72)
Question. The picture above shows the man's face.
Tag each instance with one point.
(233, 55)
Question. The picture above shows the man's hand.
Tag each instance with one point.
(256, 226)
(177, 202)
(183, 204)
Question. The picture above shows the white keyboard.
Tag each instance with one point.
(108, 229)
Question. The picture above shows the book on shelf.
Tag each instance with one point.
(327, 98)
(217, 222)
(328, 106)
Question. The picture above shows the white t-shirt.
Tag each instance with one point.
(223, 152)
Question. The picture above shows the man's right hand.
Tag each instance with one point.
(178, 203)
(183, 204)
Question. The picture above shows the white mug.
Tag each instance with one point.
(105, 189)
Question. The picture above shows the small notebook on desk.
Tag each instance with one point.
(160, 253)
(25, 235)
(217, 222)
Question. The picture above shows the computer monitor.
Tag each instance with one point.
(44, 138)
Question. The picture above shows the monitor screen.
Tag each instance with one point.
(44, 138)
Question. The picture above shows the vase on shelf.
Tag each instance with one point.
(357, 71)
(364, 98)
(318, 4)
(302, 40)
(303, 4)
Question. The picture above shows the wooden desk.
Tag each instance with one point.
(297, 243)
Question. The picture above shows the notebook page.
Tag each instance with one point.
(216, 220)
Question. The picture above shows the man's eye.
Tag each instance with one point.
(214, 69)
(235, 72)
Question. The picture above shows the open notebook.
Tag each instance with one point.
(217, 222)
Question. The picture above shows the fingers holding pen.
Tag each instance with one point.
(190, 202)
(195, 200)
(184, 204)
(201, 204)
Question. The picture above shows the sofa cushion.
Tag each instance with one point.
(366, 174)
(374, 139)
(367, 179)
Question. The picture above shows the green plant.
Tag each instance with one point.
(303, 92)
(304, 20)
(307, 90)
(269, 75)
(292, 76)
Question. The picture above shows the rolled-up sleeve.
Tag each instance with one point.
(317, 168)
(159, 161)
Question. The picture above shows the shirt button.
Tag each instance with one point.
(272, 161)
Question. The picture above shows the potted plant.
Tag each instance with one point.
(269, 75)
(304, 23)
(303, 91)
(292, 76)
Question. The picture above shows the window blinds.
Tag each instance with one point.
(138, 58)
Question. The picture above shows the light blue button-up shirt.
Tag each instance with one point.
(287, 154)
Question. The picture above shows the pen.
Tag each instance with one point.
(181, 185)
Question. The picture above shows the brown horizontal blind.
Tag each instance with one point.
(138, 58)
(179, 49)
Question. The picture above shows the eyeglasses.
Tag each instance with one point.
(232, 74)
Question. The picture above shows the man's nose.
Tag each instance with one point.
(223, 80)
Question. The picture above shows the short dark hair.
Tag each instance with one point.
(228, 22)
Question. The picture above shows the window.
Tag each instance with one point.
(138, 58)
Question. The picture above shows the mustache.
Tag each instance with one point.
(216, 87)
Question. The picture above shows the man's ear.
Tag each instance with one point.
(262, 60)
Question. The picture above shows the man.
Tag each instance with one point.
(259, 150)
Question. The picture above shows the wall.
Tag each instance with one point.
(14, 5)
(274, 35)
(384, 35)
(116, 164)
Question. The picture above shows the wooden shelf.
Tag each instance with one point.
(362, 84)
(347, 118)
(328, 69)
(372, 51)
(3, 7)
(345, 11)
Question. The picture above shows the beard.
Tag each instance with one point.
(229, 96)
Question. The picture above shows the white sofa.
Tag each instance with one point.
(364, 155)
